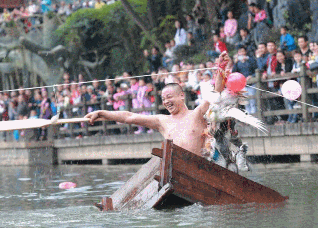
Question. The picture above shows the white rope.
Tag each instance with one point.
(111, 79)
(280, 95)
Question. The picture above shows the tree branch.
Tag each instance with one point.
(128, 8)
(91, 65)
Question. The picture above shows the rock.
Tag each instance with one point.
(242, 21)
(297, 10)
(313, 35)
(278, 13)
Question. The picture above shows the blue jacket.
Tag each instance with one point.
(289, 41)
(246, 68)
(262, 62)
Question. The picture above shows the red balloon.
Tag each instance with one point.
(236, 82)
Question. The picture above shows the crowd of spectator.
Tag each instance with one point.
(43, 6)
(275, 57)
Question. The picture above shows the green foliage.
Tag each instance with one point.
(167, 28)
(199, 58)
(118, 35)
(294, 29)
(184, 53)
(50, 14)
(164, 32)
(272, 35)
(11, 24)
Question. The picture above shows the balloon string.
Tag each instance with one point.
(277, 94)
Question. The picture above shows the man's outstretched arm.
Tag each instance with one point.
(149, 121)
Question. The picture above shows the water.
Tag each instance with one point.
(30, 197)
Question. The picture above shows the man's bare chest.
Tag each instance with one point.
(183, 127)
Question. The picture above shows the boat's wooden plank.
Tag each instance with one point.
(159, 196)
(157, 178)
(157, 152)
(165, 168)
(143, 198)
(222, 179)
(105, 205)
(136, 183)
(196, 191)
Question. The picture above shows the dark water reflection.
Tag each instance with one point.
(30, 197)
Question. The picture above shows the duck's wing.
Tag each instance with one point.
(246, 118)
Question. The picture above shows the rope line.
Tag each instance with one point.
(277, 94)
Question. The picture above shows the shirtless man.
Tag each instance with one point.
(183, 126)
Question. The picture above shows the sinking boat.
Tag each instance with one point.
(175, 176)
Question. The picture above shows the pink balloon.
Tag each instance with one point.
(291, 90)
(236, 82)
(67, 185)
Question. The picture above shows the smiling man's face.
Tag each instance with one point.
(172, 99)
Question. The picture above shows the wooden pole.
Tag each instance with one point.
(69, 112)
(305, 83)
(103, 107)
(128, 108)
(259, 100)
(157, 99)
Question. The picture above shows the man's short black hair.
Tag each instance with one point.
(246, 30)
(175, 86)
(271, 41)
(281, 51)
(258, 6)
(157, 49)
(304, 37)
(284, 27)
(252, 4)
(241, 47)
(262, 44)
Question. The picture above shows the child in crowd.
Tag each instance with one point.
(37, 132)
(297, 62)
(222, 34)
(119, 103)
(134, 85)
(287, 42)
(53, 106)
(206, 87)
(230, 28)
(143, 102)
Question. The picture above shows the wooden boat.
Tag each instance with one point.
(175, 176)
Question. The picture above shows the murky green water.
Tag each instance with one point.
(30, 197)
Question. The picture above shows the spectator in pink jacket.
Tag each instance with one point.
(230, 28)
(119, 103)
(143, 102)
(260, 15)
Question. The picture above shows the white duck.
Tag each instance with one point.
(223, 106)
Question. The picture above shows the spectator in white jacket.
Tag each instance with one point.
(181, 35)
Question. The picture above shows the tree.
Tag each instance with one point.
(128, 8)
